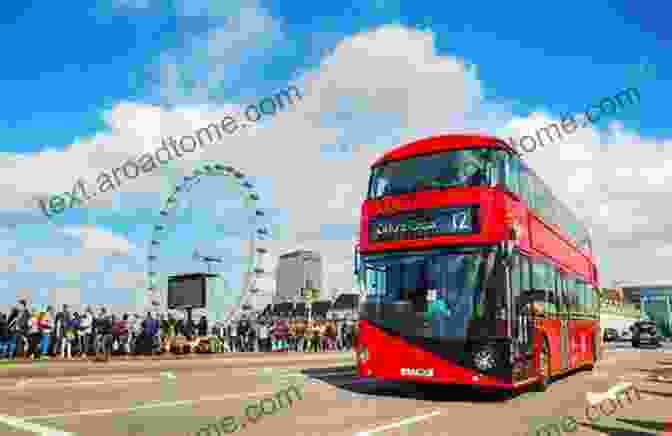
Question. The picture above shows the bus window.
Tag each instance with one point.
(526, 188)
(589, 301)
(596, 303)
(572, 295)
(564, 298)
(513, 179)
(580, 297)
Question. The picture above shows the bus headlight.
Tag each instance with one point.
(485, 359)
(363, 354)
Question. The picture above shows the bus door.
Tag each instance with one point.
(563, 317)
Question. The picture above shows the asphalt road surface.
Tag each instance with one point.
(181, 397)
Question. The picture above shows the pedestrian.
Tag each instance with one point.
(105, 338)
(5, 337)
(145, 341)
(121, 334)
(69, 332)
(24, 328)
(203, 327)
(41, 330)
(78, 340)
(263, 337)
(233, 335)
(86, 332)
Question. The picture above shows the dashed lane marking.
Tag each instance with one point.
(398, 424)
(153, 405)
(42, 385)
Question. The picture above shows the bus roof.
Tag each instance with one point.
(436, 144)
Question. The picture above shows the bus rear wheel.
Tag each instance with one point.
(544, 368)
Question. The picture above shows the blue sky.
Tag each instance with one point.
(100, 82)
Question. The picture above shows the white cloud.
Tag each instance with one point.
(81, 263)
(60, 296)
(7, 264)
(395, 87)
(97, 239)
(133, 280)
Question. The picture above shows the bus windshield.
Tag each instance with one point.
(455, 168)
(436, 293)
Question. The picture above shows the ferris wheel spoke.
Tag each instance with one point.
(172, 215)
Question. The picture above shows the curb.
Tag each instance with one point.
(67, 369)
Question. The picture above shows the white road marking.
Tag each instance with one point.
(398, 424)
(595, 399)
(46, 385)
(21, 424)
(168, 375)
(145, 406)
(81, 378)
(633, 375)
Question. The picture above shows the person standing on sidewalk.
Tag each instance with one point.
(233, 336)
(105, 338)
(44, 327)
(263, 337)
(34, 335)
(6, 338)
(62, 318)
(86, 331)
(69, 333)
(121, 334)
(13, 331)
(23, 329)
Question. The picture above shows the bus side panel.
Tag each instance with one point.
(582, 340)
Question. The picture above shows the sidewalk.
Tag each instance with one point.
(648, 414)
(59, 367)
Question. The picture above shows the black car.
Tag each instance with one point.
(645, 332)
(610, 334)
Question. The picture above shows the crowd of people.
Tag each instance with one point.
(41, 334)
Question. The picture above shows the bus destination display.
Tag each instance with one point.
(423, 224)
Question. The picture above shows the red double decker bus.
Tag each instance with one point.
(474, 273)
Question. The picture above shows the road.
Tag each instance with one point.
(181, 397)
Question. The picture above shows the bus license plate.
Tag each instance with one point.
(418, 372)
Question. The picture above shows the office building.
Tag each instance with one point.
(296, 271)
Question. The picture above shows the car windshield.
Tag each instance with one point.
(649, 328)
(455, 168)
(433, 293)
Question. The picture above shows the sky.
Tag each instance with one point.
(103, 82)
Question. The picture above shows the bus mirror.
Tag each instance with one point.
(537, 295)
(355, 262)
(533, 296)
(492, 175)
